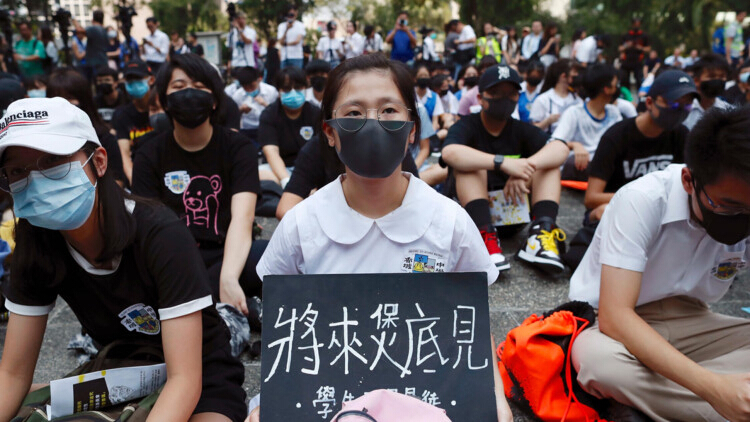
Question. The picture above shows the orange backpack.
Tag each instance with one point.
(537, 372)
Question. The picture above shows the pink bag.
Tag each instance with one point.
(387, 406)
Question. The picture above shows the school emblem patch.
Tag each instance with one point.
(726, 270)
(177, 181)
(306, 132)
(419, 261)
(140, 318)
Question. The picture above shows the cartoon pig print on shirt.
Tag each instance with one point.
(202, 202)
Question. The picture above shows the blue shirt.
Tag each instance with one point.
(402, 50)
(524, 105)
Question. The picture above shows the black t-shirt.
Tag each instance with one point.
(735, 96)
(624, 154)
(96, 46)
(517, 140)
(198, 186)
(106, 110)
(129, 123)
(650, 63)
(232, 116)
(196, 49)
(160, 276)
(310, 172)
(632, 55)
(275, 128)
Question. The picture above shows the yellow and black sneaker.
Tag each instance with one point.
(542, 249)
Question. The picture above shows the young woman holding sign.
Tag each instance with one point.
(374, 214)
(128, 269)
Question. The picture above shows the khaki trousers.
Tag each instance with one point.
(606, 369)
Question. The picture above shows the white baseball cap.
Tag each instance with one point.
(52, 125)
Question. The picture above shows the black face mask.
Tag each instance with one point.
(443, 92)
(471, 81)
(105, 89)
(500, 108)
(577, 82)
(712, 88)
(423, 82)
(533, 81)
(160, 122)
(318, 83)
(372, 151)
(669, 119)
(726, 229)
(190, 107)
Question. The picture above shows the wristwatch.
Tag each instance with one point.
(499, 161)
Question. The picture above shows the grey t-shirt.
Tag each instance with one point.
(96, 46)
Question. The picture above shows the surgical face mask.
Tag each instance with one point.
(372, 151)
(37, 93)
(433, 36)
(105, 89)
(318, 83)
(471, 81)
(293, 99)
(112, 34)
(423, 82)
(669, 118)
(137, 89)
(499, 108)
(745, 77)
(254, 93)
(160, 122)
(54, 200)
(712, 88)
(190, 107)
(726, 229)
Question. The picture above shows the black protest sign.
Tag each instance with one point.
(328, 339)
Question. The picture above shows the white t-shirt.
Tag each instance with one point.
(438, 109)
(310, 97)
(627, 109)
(428, 52)
(450, 103)
(374, 44)
(242, 52)
(697, 111)
(251, 119)
(549, 103)
(330, 49)
(647, 228)
(160, 40)
(670, 61)
(577, 125)
(355, 45)
(587, 51)
(291, 51)
(467, 33)
(323, 235)
(530, 45)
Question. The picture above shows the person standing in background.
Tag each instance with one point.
(329, 47)
(373, 40)
(509, 46)
(402, 38)
(531, 43)
(155, 46)
(488, 45)
(96, 44)
(28, 52)
(733, 39)
(633, 51)
(50, 49)
(354, 43)
(193, 45)
(240, 40)
(291, 35)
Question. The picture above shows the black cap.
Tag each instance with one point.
(671, 85)
(10, 90)
(499, 73)
(136, 68)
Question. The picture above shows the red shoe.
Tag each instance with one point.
(493, 247)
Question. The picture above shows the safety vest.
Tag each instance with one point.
(737, 41)
(483, 48)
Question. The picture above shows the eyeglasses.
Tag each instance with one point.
(55, 167)
(351, 117)
(721, 209)
(677, 106)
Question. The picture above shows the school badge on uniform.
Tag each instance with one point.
(140, 318)
(306, 132)
(177, 181)
(418, 261)
(726, 270)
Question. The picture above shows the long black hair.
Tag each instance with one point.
(554, 71)
(398, 72)
(39, 258)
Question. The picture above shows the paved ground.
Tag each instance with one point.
(519, 293)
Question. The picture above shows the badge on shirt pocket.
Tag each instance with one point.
(420, 261)
(140, 318)
(728, 265)
(306, 132)
(177, 181)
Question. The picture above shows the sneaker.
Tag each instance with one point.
(542, 248)
(493, 247)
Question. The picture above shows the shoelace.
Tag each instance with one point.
(549, 239)
(490, 241)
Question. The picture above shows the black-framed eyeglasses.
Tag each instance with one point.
(14, 179)
(351, 117)
(355, 416)
(720, 209)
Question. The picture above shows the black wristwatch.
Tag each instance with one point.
(499, 161)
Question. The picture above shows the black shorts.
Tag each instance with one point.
(222, 393)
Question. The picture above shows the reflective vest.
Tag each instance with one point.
(483, 47)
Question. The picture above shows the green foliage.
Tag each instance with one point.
(265, 15)
(188, 15)
(500, 13)
(431, 13)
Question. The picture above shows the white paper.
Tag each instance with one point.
(96, 390)
(505, 213)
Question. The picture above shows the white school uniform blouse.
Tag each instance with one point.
(647, 228)
(428, 232)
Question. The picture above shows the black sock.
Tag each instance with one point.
(544, 209)
(479, 211)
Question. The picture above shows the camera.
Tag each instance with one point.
(62, 18)
(232, 11)
(125, 15)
